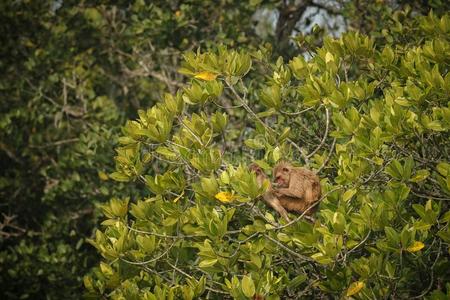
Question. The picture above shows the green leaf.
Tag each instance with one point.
(407, 168)
(443, 168)
(270, 96)
(166, 152)
(387, 56)
(106, 269)
(267, 113)
(296, 281)
(146, 243)
(248, 287)
(276, 154)
(207, 263)
(321, 258)
(117, 176)
(392, 236)
(420, 175)
(254, 144)
(348, 195)
(284, 134)
(395, 169)
(188, 292)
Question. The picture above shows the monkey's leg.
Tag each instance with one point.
(275, 203)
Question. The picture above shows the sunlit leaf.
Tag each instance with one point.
(354, 288)
(205, 75)
(207, 263)
(416, 246)
(224, 197)
(248, 287)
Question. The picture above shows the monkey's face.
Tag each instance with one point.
(255, 168)
(282, 176)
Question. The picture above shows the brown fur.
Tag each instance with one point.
(269, 196)
(297, 188)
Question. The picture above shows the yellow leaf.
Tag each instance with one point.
(102, 175)
(329, 57)
(354, 288)
(416, 246)
(178, 13)
(224, 197)
(178, 197)
(205, 75)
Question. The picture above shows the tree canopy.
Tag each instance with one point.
(371, 117)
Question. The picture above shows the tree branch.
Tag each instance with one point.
(324, 136)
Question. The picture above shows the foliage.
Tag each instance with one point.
(371, 116)
(71, 71)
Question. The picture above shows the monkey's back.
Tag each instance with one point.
(305, 179)
(309, 176)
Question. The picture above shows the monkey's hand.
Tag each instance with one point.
(277, 193)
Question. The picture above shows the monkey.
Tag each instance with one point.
(296, 188)
(269, 196)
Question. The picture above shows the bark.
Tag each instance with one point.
(290, 13)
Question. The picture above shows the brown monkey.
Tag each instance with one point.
(269, 196)
(296, 188)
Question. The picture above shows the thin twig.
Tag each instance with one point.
(328, 157)
(359, 244)
(327, 113)
(159, 234)
(8, 223)
(432, 275)
(297, 112)
(141, 263)
(190, 277)
(227, 107)
(429, 196)
(10, 153)
(287, 249)
(57, 143)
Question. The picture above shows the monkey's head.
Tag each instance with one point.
(255, 168)
(258, 170)
(282, 174)
(260, 175)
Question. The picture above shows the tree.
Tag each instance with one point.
(370, 115)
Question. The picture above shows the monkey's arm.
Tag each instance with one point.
(273, 201)
(291, 191)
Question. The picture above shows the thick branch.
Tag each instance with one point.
(289, 15)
